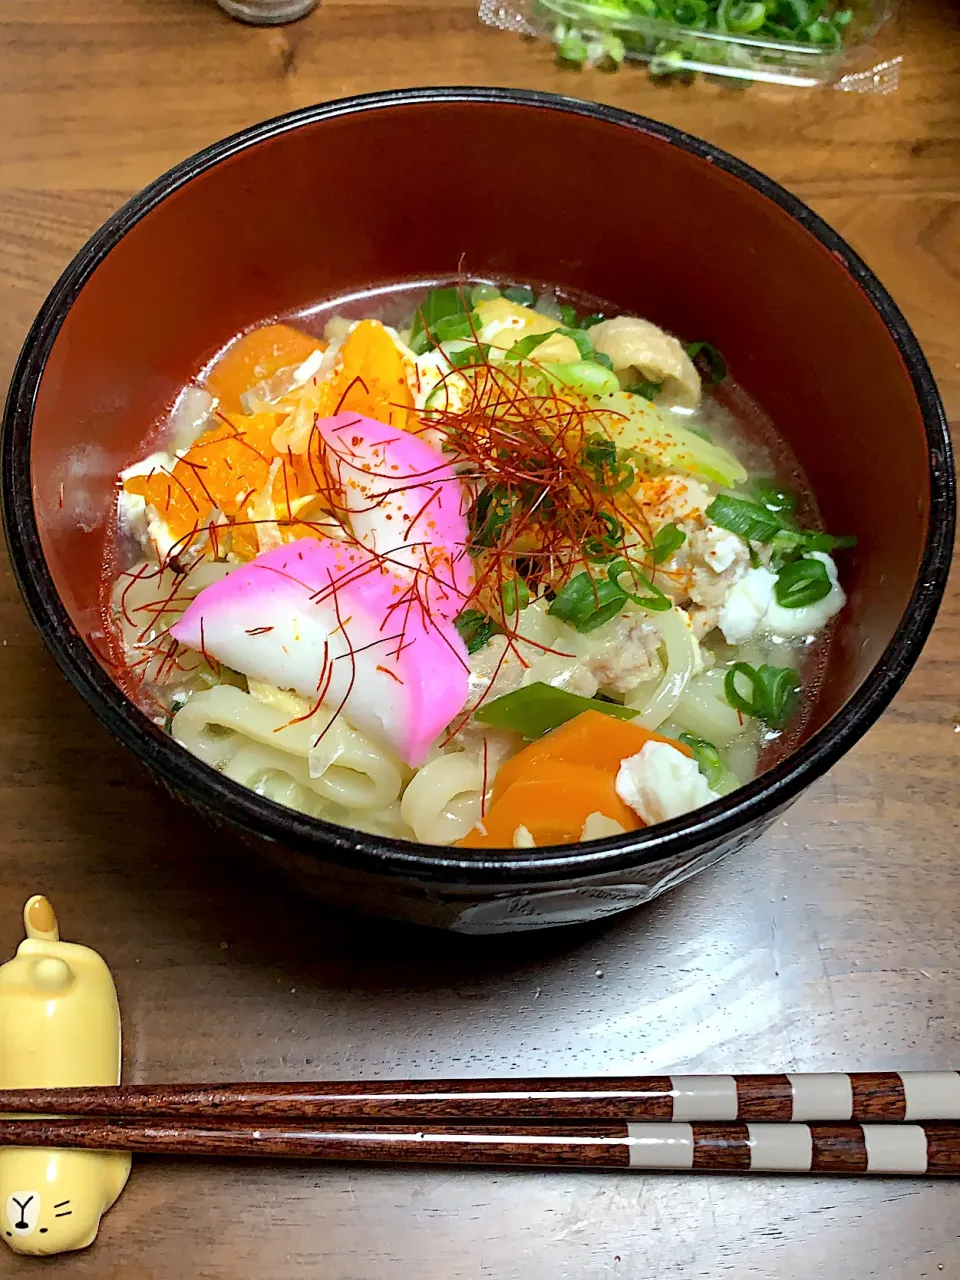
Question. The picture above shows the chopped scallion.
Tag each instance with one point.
(648, 390)
(781, 502)
(770, 695)
(490, 514)
(707, 757)
(654, 599)
(770, 520)
(802, 582)
(537, 708)
(582, 341)
(476, 353)
(746, 519)
(521, 294)
(791, 542)
(515, 595)
(439, 305)
(666, 541)
(586, 376)
(603, 547)
(475, 629)
(587, 603)
(520, 350)
(710, 363)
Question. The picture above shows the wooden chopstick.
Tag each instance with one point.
(721, 1148)
(866, 1097)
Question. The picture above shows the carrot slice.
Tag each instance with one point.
(589, 739)
(256, 356)
(219, 467)
(372, 378)
(237, 457)
(220, 472)
(553, 804)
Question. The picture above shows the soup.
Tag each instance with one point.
(481, 565)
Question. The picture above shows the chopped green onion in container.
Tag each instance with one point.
(793, 42)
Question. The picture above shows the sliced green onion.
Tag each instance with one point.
(569, 315)
(450, 328)
(707, 757)
(475, 629)
(537, 708)
(770, 521)
(521, 294)
(614, 529)
(583, 343)
(520, 350)
(802, 582)
(795, 13)
(667, 62)
(822, 32)
(655, 599)
(666, 541)
(483, 293)
(792, 542)
(515, 595)
(439, 304)
(603, 548)
(649, 390)
(490, 514)
(781, 502)
(742, 16)
(585, 376)
(587, 322)
(600, 455)
(587, 603)
(798, 21)
(746, 519)
(710, 363)
(547, 305)
(571, 47)
(691, 13)
(476, 353)
(610, 471)
(771, 695)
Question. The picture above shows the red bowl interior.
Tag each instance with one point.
(520, 187)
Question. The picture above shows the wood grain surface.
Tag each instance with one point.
(831, 944)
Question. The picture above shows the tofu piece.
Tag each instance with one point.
(660, 783)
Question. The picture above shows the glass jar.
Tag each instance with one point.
(267, 13)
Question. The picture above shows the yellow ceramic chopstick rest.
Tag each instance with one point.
(59, 1026)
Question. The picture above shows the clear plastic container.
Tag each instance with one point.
(793, 42)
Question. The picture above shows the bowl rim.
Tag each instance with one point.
(191, 779)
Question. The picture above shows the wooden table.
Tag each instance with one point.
(831, 943)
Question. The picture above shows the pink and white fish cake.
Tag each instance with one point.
(329, 620)
(405, 502)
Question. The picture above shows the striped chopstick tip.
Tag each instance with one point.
(793, 1147)
(821, 1097)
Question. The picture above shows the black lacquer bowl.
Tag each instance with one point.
(333, 198)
